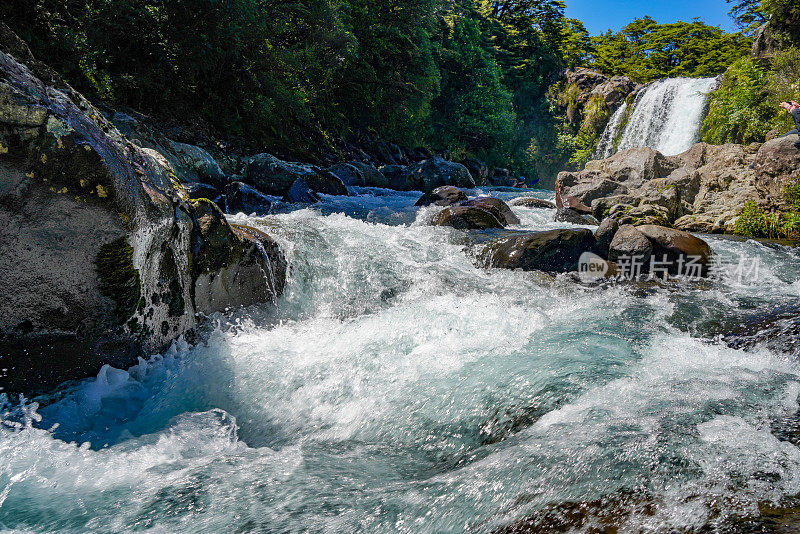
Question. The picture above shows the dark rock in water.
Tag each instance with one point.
(499, 208)
(573, 217)
(677, 247)
(466, 218)
(628, 244)
(347, 173)
(604, 234)
(478, 169)
(241, 198)
(397, 176)
(99, 246)
(326, 183)
(446, 195)
(372, 177)
(301, 193)
(235, 265)
(199, 190)
(273, 176)
(551, 251)
(777, 329)
(436, 172)
(532, 202)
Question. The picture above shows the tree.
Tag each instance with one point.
(747, 14)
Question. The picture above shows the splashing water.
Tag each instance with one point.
(666, 116)
(396, 387)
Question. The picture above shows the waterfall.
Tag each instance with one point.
(666, 116)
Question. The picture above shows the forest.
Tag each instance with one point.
(473, 77)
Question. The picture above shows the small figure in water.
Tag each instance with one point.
(793, 109)
(520, 182)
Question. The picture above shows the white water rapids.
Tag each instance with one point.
(666, 116)
(397, 387)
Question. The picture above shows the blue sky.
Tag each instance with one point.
(601, 15)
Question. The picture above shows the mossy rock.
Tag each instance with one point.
(119, 280)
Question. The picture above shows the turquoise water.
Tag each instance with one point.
(397, 387)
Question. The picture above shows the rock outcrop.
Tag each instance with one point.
(273, 176)
(612, 90)
(703, 190)
(104, 253)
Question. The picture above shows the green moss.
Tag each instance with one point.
(119, 280)
(215, 245)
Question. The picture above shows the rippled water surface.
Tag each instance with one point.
(397, 387)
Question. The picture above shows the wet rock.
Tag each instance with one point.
(498, 208)
(777, 329)
(241, 198)
(532, 202)
(446, 195)
(604, 235)
(628, 243)
(436, 172)
(551, 251)
(466, 218)
(235, 265)
(573, 217)
(677, 247)
(99, 240)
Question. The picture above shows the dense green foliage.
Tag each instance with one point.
(746, 107)
(645, 50)
(747, 14)
(471, 76)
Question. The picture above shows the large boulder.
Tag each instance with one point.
(273, 176)
(301, 193)
(677, 248)
(436, 172)
(234, 265)
(628, 244)
(498, 208)
(467, 218)
(612, 90)
(551, 251)
(196, 190)
(99, 240)
(190, 163)
(347, 173)
(396, 176)
(447, 195)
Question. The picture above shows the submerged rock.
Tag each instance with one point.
(532, 202)
(467, 218)
(551, 251)
(99, 240)
(446, 195)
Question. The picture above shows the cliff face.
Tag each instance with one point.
(705, 189)
(102, 252)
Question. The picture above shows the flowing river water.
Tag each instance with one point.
(398, 387)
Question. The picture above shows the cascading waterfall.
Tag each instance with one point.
(666, 116)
